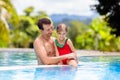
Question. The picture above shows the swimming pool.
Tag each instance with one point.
(23, 66)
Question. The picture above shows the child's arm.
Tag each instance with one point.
(71, 61)
(69, 42)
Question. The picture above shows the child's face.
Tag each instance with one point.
(62, 35)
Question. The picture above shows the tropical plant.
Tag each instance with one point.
(75, 28)
(4, 35)
(29, 10)
(98, 37)
(111, 10)
(6, 11)
(39, 15)
(24, 34)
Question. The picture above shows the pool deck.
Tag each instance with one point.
(80, 52)
(96, 53)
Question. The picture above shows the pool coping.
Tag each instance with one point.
(2, 68)
(80, 52)
(17, 49)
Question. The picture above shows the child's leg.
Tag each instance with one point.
(72, 62)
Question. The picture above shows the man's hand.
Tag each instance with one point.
(71, 55)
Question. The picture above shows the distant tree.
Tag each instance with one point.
(98, 37)
(28, 11)
(24, 34)
(40, 14)
(75, 28)
(111, 10)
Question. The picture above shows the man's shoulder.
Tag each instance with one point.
(37, 40)
(37, 43)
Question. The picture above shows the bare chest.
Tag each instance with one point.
(49, 46)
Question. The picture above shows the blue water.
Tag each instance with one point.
(17, 58)
(89, 68)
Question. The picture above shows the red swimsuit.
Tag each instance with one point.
(64, 50)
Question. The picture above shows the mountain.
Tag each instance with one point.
(57, 18)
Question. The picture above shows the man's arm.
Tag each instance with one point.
(42, 54)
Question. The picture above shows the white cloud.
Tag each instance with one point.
(78, 7)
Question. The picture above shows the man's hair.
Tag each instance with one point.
(43, 21)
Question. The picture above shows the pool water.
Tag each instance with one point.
(89, 68)
(17, 58)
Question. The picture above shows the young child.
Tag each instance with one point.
(65, 45)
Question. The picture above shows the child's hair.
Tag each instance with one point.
(62, 27)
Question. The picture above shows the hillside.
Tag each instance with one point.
(58, 18)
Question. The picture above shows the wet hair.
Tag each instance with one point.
(43, 21)
(62, 27)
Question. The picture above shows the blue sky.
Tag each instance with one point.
(72, 7)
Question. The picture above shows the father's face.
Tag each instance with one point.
(48, 28)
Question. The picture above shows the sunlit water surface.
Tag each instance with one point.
(89, 68)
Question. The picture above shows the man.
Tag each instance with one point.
(44, 44)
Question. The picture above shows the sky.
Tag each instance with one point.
(71, 7)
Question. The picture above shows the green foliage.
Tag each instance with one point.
(8, 13)
(24, 33)
(20, 39)
(54, 34)
(39, 15)
(29, 10)
(11, 12)
(4, 36)
(75, 28)
(85, 41)
(111, 10)
(98, 37)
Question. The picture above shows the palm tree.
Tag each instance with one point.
(6, 11)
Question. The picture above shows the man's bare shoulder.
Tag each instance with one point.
(37, 41)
